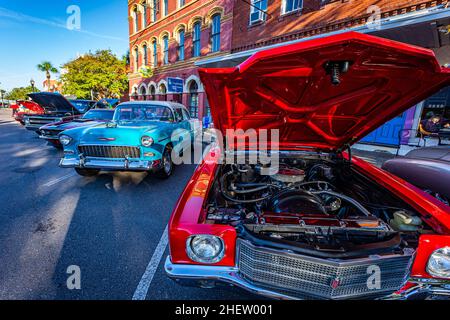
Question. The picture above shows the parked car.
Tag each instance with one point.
(56, 109)
(427, 168)
(24, 108)
(138, 139)
(324, 224)
(91, 118)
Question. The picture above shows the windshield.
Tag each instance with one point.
(81, 105)
(99, 115)
(131, 113)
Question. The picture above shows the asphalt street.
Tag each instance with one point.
(109, 226)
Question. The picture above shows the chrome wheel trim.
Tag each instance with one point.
(167, 162)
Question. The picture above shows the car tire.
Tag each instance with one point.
(87, 172)
(167, 165)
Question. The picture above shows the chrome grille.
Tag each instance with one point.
(100, 151)
(40, 121)
(304, 276)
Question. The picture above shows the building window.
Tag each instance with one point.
(291, 6)
(152, 92)
(181, 3)
(257, 11)
(155, 53)
(143, 93)
(154, 10)
(215, 33)
(166, 7)
(181, 45)
(144, 14)
(136, 59)
(193, 99)
(144, 48)
(136, 19)
(162, 92)
(166, 49)
(196, 40)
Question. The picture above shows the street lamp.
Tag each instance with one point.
(32, 82)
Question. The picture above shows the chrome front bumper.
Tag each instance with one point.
(211, 276)
(49, 137)
(107, 164)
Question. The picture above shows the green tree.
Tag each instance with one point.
(101, 73)
(19, 93)
(48, 68)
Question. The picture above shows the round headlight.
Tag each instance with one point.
(146, 141)
(205, 248)
(439, 263)
(65, 140)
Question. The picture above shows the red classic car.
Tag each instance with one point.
(327, 225)
(24, 108)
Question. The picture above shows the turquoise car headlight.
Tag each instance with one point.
(65, 140)
(146, 141)
(205, 248)
(439, 263)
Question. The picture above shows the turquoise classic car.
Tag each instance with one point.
(140, 137)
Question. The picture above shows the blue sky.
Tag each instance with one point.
(34, 31)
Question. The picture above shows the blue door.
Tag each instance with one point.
(388, 134)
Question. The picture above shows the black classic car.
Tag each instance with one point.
(56, 109)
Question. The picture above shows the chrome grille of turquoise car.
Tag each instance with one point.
(100, 151)
(302, 276)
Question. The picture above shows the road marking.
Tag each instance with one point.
(53, 182)
(147, 277)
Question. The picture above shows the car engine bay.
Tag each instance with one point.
(321, 207)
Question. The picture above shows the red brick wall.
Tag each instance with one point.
(339, 14)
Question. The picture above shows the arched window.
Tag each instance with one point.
(215, 33)
(136, 19)
(143, 93)
(155, 53)
(136, 58)
(144, 14)
(145, 49)
(162, 92)
(193, 99)
(181, 45)
(152, 92)
(166, 49)
(196, 39)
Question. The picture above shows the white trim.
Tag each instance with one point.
(187, 82)
(426, 15)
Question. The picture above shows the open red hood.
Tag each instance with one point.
(290, 88)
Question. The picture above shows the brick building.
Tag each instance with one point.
(167, 38)
(262, 24)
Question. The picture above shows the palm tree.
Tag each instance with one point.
(48, 68)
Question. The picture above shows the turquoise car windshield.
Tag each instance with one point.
(140, 113)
